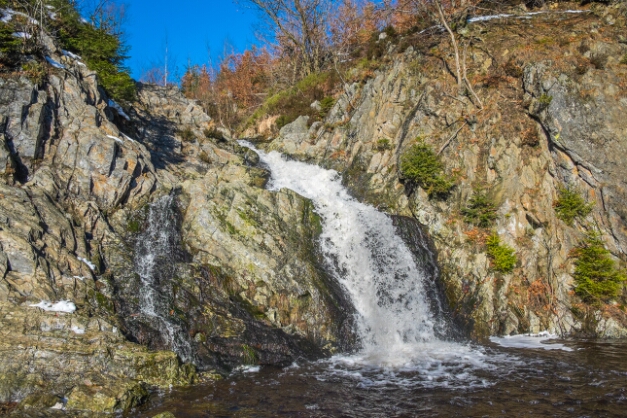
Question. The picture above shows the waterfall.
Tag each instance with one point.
(155, 255)
(395, 322)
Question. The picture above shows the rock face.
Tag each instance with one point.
(552, 118)
(156, 251)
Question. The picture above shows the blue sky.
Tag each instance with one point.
(192, 28)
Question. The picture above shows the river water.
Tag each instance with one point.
(407, 363)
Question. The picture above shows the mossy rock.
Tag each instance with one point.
(165, 415)
(117, 396)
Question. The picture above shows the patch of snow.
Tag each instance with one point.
(128, 137)
(249, 369)
(118, 109)
(9, 13)
(61, 306)
(529, 341)
(52, 15)
(116, 139)
(81, 64)
(91, 265)
(70, 54)
(22, 35)
(54, 63)
(57, 405)
(524, 16)
(83, 20)
(81, 278)
(77, 330)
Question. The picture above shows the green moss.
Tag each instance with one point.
(247, 217)
(571, 205)
(422, 166)
(249, 355)
(481, 210)
(503, 258)
(596, 275)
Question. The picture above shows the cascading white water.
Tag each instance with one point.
(365, 254)
(155, 249)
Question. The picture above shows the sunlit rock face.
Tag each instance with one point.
(552, 118)
(95, 308)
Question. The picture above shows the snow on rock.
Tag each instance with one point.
(22, 35)
(9, 13)
(54, 63)
(77, 330)
(91, 265)
(128, 137)
(118, 109)
(70, 54)
(61, 306)
(529, 341)
(115, 138)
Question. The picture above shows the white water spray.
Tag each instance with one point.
(155, 250)
(394, 321)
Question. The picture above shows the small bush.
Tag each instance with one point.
(422, 166)
(503, 258)
(35, 71)
(595, 272)
(283, 120)
(326, 105)
(186, 135)
(383, 144)
(204, 157)
(624, 60)
(544, 100)
(9, 45)
(481, 210)
(598, 61)
(571, 205)
(214, 133)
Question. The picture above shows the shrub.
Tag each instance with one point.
(503, 258)
(383, 144)
(624, 60)
(595, 272)
(214, 133)
(422, 166)
(204, 157)
(186, 135)
(35, 71)
(571, 205)
(9, 45)
(326, 105)
(481, 210)
(544, 100)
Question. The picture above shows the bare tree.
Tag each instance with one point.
(300, 28)
(108, 15)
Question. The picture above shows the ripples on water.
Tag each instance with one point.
(589, 381)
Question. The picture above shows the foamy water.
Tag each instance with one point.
(395, 324)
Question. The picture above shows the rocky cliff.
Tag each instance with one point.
(137, 250)
(140, 249)
(550, 116)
